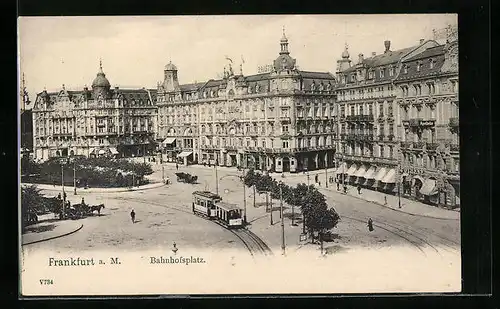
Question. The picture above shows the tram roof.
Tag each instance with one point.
(227, 206)
(207, 194)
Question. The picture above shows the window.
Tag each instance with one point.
(391, 152)
(284, 128)
(285, 144)
(370, 110)
(431, 64)
(381, 109)
(382, 73)
(418, 66)
(405, 69)
(263, 144)
(391, 71)
(370, 74)
(353, 77)
(352, 110)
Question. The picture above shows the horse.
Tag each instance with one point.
(98, 208)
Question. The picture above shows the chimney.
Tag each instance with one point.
(387, 45)
(374, 54)
(422, 41)
(360, 58)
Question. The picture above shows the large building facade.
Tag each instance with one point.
(429, 107)
(398, 121)
(283, 120)
(94, 122)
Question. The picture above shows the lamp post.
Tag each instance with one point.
(343, 173)
(74, 176)
(63, 162)
(163, 172)
(399, 176)
(282, 219)
(216, 178)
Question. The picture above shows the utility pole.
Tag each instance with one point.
(216, 177)
(163, 173)
(326, 176)
(282, 220)
(62, 184)
(74, 176)
(399, 177)
(244, 198)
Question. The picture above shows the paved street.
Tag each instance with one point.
(164, 217)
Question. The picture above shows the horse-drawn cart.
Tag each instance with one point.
(185, 177)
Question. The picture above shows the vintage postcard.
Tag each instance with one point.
(239, 154)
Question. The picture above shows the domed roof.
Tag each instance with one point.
(284, 62)
(170, 67)
(101, 80)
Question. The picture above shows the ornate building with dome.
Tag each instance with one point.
(283, 120)
(94, 122)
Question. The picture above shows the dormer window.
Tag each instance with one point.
(391, 71)
(370, 74)
(382, 73)
(353, 77)
(418, 66)
(431, 63)
(405, 69)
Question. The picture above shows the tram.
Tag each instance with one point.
(204, 203)
(211, 206)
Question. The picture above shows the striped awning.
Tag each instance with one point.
(370, 173)
(380, 174)
(429, 187)
(91, 150)
(184, 154)
(113, 150)
(352, 170)
(342, 169)
(102, 151)
(361, 171)
(390, 177)
(168, 140)
(415, 178)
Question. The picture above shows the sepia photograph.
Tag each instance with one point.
(239, 154)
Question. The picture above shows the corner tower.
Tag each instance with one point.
(170, 81)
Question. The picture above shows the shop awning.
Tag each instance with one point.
(415, 178)
(390, 177)
(361, 171)
(380, 174)
(113, 150)
(102, 151)
(370, 173)
(429, 187)
(351, 170)
(342, 169)
(91, 150)
(184, 154)
(169, 140)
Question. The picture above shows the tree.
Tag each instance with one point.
(31, 202)
(250, 180)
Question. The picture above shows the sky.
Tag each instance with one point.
(134, 49)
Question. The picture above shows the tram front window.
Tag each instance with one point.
(233, 215)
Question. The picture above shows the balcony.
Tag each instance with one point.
(381, 118)
(431, 146)
(415, 122)
(418, 145)
(427, 123)
(390, 137)
(63, 134)
(284, 118)
(406, 145)
(367, 118)
(453, 122)
(351, 117)
(390, 119)
(381, 137)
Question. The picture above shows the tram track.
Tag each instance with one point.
(254, 244)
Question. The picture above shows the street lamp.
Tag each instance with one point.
(63, 161)
(399, 176)
(74, 174)
(282, 219)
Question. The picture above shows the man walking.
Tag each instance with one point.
(370, 225)
(177, 166)
(132, 215)
(359, 189)
(338, 186)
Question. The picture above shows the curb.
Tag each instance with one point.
(107, 190)
(54, 237)
(401, 211)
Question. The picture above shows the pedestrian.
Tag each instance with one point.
(338, 186)
(370, 225)
(359, 189)
(59, 196)
(132, 215)
(319, 183)
(316, 178)
(177, 166)
(64, 195)
(54, 182)
(385, 200)
(345, 189)
(83, 201)
(167, 180)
